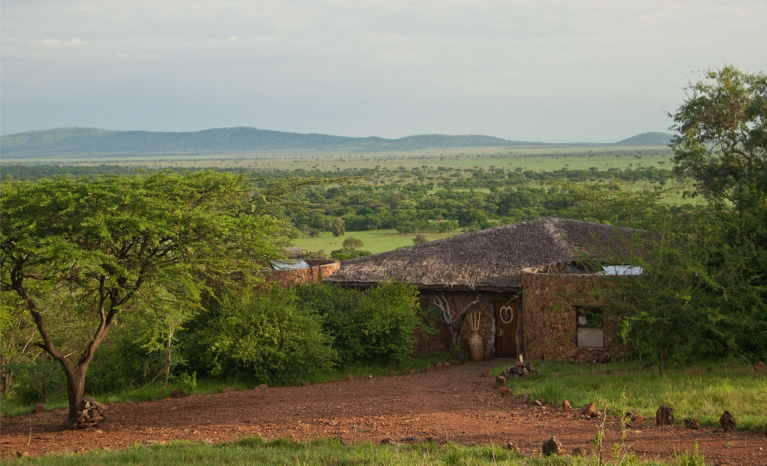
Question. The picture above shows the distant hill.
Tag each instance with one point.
(69, 141)
(647, 139)
(91, 141)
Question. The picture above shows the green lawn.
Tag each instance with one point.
(694, 392)
(254, 450)
(374, 241)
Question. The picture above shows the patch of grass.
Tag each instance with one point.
(321, 452)
(374, 241)
(693, 393)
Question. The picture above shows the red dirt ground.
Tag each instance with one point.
(454, 404)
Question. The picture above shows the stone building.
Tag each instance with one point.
(529, 281)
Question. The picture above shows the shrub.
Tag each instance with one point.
(266, 336)
(373, 325)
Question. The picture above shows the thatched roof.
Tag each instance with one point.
(489, 259)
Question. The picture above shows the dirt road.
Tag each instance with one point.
(454, 404)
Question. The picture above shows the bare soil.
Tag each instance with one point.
(455, 404)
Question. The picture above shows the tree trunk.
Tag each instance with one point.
(661, 354)
(75, 391)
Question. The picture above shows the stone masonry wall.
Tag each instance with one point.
(317, 270)
(548, 307)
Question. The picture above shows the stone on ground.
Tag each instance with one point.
(664, 416)
(727, 422)
(552, 446)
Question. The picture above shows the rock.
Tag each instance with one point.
(447, 364)
(305, 383)
(664, 416)
(349, 377)
(500, 380)
(510, 446)
(387, 441)
(39, 408)
(596, 414)
(552, 446)
(727, 422)
(566, 406)
(505, 391)
(22, 454)
(588, 409)
(580, 451)
(439, 365)
(524, 372)
(370, 376)
(692, 424)
(634, 417)
(539, 402)
(263, 386)
(177, 393)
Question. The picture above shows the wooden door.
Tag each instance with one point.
(506, 329)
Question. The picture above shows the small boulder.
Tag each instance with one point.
(387, 441)
(539, 402)
(664, 416)
(580, 451)
(447, 364)
(566, 406)
(505, 391)
(177, 393)
(500, 380)
(39, 408)
(263, 386)
(349, 377)
(727, 422)
(370, 376)
(588, 409)
(552, 446)
(692, 424)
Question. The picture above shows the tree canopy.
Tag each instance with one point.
(79, 252)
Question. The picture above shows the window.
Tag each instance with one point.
(590, 325)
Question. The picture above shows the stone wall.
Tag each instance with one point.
(318, 269)
(549, 310)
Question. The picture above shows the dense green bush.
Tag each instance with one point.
(372, 325)
(263, 336)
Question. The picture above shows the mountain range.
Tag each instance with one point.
(93, 141)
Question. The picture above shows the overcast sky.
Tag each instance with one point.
(552, 70)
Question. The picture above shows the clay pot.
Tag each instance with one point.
(476, 346)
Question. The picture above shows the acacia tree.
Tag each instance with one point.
(77, 253)
(722, 140)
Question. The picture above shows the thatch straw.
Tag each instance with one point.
(489, 259)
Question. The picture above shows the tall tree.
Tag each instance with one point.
(722, 140)
(77, 253)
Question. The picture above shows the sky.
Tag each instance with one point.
(548, 70)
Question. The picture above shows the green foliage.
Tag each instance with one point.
(265, 336)
(722, 143)
(420, 239)
(370, 325)
(78, 253)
